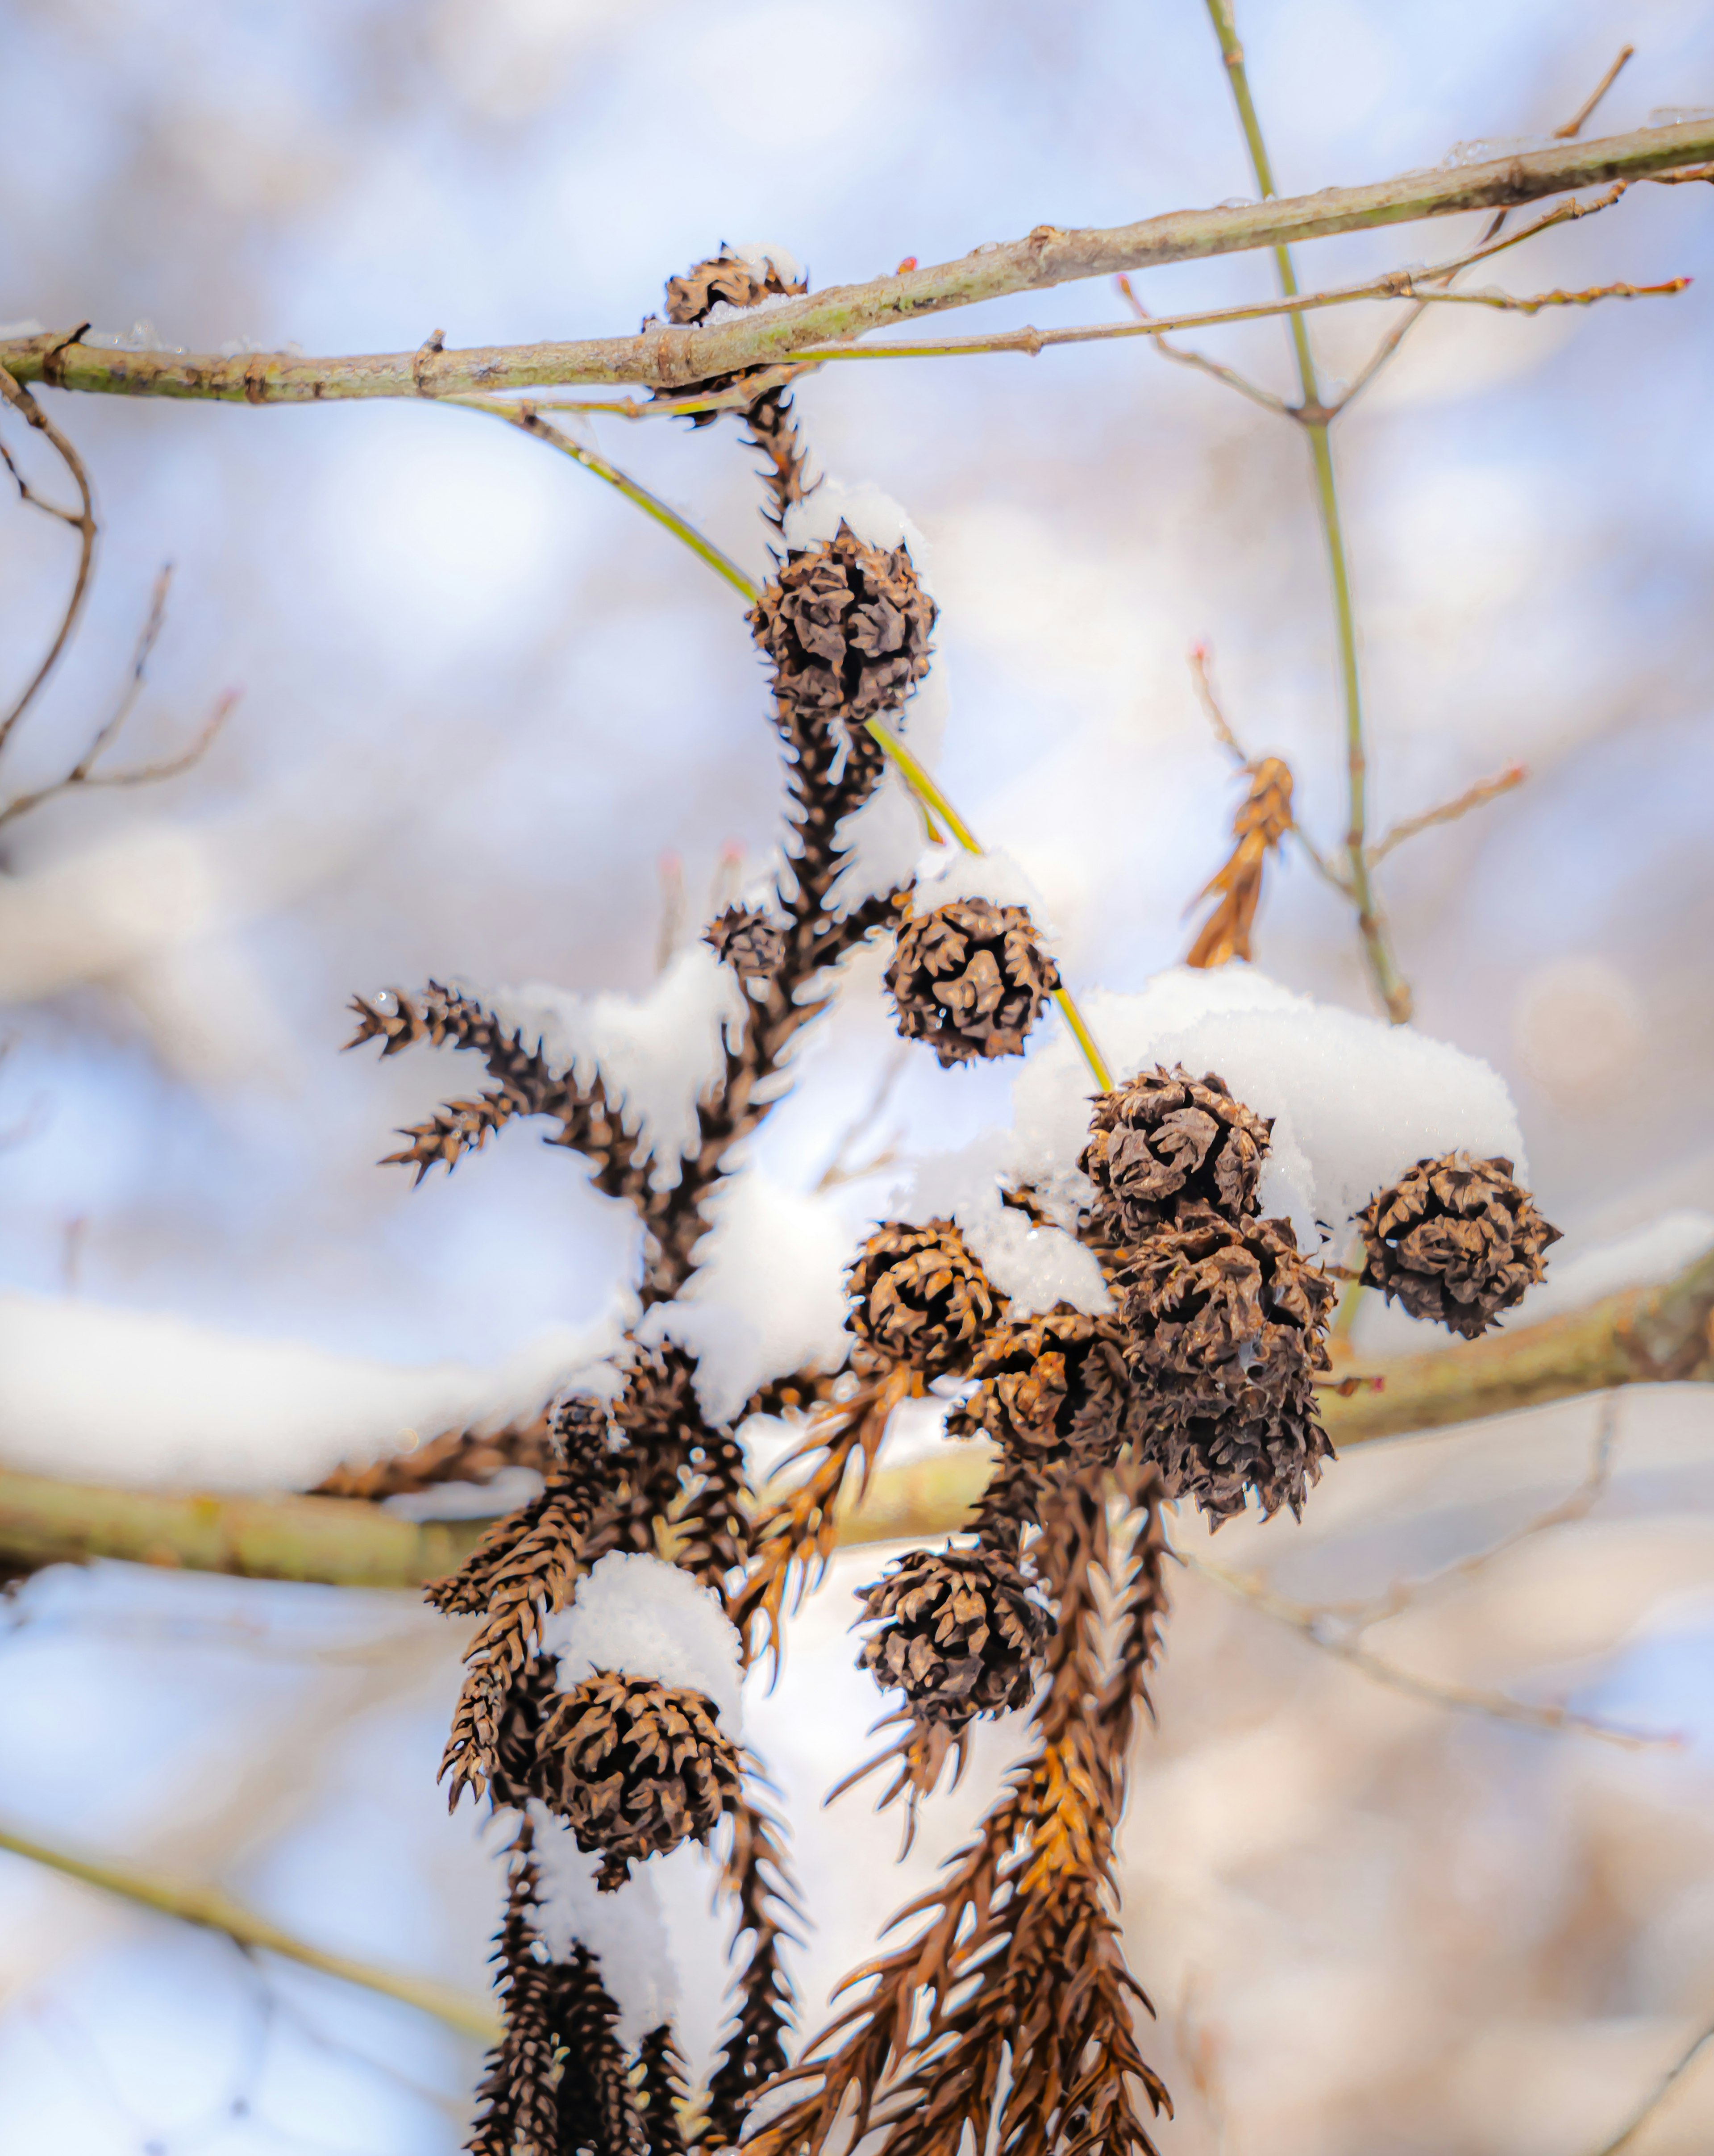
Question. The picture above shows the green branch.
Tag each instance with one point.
(667, 358)
(194, 1903)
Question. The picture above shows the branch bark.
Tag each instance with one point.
(1645, 1335)
(669, 358)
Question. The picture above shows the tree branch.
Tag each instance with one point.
(666, 358)
(82, 522)
(215, 1911)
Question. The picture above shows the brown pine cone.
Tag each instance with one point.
(1050, 1389)
(918, 1297)
(1165, 1137)
(846, 627)
(1274, 1446)
(1221, 1314)
(962, 1635)
(1457, 1240)
(634, 1767)
(727, 277)
(970, 978)
(750, 944)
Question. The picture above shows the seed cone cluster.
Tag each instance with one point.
(919, 1298)
(846, 627)
(1457, 1240)
(1166, 1138)
(960, 1633)
(636, 1767)
(970, 978)
(751, 945)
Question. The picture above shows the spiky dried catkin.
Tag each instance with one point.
(1457, 1240)
(672, 1470)
(970, 978)
(1226, 1325)
(919, 1300)
(635, 1767)
(455, 1455)
(770, 1915)
(515, 2104)
(1163, 1138)
(846, 627)
(751, 945)
(1263, 820)
(597, 2103)
(958, 1632)
(522, 1569)
(661, 2091)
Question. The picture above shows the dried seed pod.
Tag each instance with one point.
(634, 1767)
(1457, 1240)
(750, 944)
(919, 1298)
(1051, 1389)
(728, 278)
(1165, 1137)
(1272, 1446)
(1221, 1314)
(970, 978)
(847, 627)
(961, 1635)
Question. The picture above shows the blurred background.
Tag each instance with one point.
(490, 718)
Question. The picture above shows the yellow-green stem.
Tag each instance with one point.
(1316, 421)
(927, 792)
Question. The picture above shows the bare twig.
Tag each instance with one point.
(840, 1169)
(1627, 2134)
(677, 359)
(216, 1910)
(1200, 360)
(82, 522)
(1473, 797)
(1575, 126)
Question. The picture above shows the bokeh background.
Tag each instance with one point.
(483, 703)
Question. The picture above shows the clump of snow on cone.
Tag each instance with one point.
(949, 872)
(625, 1929)
(639, 1616)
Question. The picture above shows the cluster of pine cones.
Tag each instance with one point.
(1205, 1367)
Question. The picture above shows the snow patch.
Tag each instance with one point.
(625, 1929)
(642, 1617)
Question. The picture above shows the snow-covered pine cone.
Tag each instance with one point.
(847, 627)
(919, 1298)
(970, 978)
(1220, 1313)
(1270, 1444)
(726, 277)
(961, 1634)
(635, 1767)
(750, 943)
(1164, 1137)
(1457, 1240)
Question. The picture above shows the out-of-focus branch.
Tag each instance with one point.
(82, 520)
(666, 358)
(1645, 1335)
(1628, 2133)
(215, 1911)
(1448, 811)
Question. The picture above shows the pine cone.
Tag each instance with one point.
(970, 978)
(1273, 1446)
(919, 1297)
(962, 1635)
(727, 277)
(846, 627)
(1051, 1389)
(635, 1767)
(1221, 1314)
(750, 944)
(1456, 1239)
(1164, 1137)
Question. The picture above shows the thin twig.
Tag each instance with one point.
(1200, 360)
(83, 522)
(1473, 797)
(1575, 126)
(739, 397)
(527, 416)
(216, 1910)
(837, 1172)
(1313, 416)
(1675, 2073)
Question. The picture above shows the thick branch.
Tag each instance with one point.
(664, 357)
